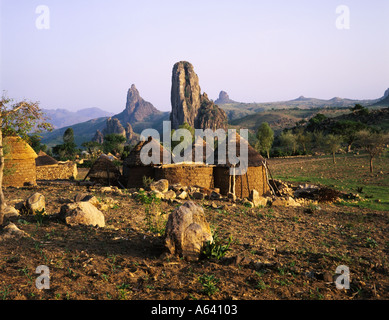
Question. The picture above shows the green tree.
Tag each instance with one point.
(314, 122)
(288, 141)
(333, 143)
(113, 143)
(91, 146)
(34, 141)
(348, 129)
(304, 139)
(360, 110)
(18, 119)
(67, 150)
(318, 140)
(374, 143)
(265, 136)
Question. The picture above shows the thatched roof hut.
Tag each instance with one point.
(199, 145)
(19, 163)
(134, 158)
(44, 160)
(241, 185)
(104, 171)
(253, 157)
(135, 170)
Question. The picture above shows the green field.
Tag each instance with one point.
(350, 174)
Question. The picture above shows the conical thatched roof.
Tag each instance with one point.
(16, 148)
(44, 160)
(201, 144)
(103, 169)
(134, 158)
(254, 158)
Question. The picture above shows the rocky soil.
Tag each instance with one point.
(276, 252)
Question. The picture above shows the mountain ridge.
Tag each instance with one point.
(61, 117)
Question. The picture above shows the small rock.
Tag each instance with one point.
(160, 185)
(182, 195)
(11, 231)
(214, 205)
(328, 277)
(158, 194)
(106, 189)
(169, 195)
(215, 196)
(198, 195)
(257, 199)
(10, 212)
(35, 202)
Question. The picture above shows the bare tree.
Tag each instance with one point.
(17, 119)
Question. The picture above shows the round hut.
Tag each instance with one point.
(104, 172)
(192, 172)
(241, 185)
(19, 163)
(135, 171)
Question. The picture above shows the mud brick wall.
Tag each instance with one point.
(135, 175)
(255, 178)
(17, 173)
(186, 175)
(61, 171)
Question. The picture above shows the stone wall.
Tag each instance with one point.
(186, 175)
(255, 178)
(136, 174)
(60, 171)
(17, 173)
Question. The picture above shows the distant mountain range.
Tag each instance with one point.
(60, 118)
(238, 110)
(139, 113)
(142, 114)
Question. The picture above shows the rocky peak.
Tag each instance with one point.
(113, 125)
(137, 109)
(223, 98)
(189, 105)
(129, 132)
(185, 94)
(210, 116)
(99, 137)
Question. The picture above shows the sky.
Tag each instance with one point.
(77, 54)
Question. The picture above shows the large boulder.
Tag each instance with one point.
(187, 231)
(35, 202)
(84, 213)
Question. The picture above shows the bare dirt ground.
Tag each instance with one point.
(276, 253)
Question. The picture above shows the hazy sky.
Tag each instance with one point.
(93, 50)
